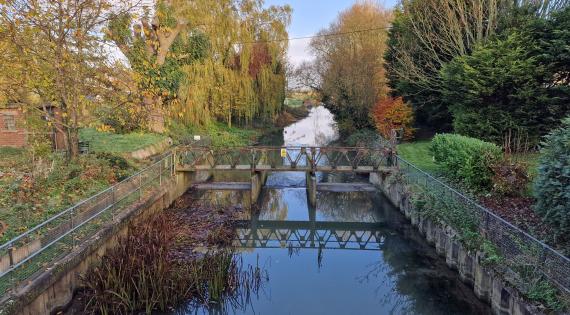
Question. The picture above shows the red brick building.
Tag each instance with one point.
(12, 130)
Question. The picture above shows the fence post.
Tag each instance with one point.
(140, 186)
(71, 214)
(160, 172)
(113, 201)
(11, 255)
(173, 166)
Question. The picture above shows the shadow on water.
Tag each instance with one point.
(353, 253)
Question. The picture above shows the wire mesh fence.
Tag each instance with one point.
(523, 256)
(36, 250)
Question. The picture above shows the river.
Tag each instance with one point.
(353, 253)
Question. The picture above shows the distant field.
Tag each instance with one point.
(293, 102)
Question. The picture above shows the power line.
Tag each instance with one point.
(317, 36)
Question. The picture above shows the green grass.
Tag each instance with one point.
(293, 102)
(418, 153)
(7, 152)
(117, 143)
(221, 135)
(216, 134)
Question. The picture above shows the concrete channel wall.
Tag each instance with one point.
(487, 284)
(53, 289)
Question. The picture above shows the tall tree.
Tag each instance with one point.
(519, 83)
(349, 62)
(60, 45)
(243, 77)
(158, 45)
(425, 36)
(205, 60)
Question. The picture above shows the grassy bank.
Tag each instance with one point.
(293, 102)
(215, 134)
(418, 153)
(219, 134)
(117, 143)
(37, 184)
(34, 189)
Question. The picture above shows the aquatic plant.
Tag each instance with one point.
(149, 271)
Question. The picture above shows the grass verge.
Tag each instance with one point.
(418, 153)
(117, 143)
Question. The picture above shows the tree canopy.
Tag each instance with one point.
(350, 65)
(205, 60)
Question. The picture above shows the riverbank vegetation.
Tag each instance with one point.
(36, 187)
(178, 256)
(498, 77)
(350, 68)
(215, 69)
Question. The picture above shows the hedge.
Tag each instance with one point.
(468, 160)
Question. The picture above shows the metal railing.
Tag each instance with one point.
(27, 255)
(349, 159)
(523, 254)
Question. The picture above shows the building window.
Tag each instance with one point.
(9, 122)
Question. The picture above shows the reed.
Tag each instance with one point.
(147, 271)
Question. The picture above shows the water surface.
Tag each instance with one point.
(353, 253)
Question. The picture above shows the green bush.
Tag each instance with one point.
(552, 187)
(364, 137)
(466, 159)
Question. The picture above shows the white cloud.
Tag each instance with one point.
(299, 51)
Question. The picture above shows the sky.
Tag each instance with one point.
(309, 17)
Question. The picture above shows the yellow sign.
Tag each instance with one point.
(283, 153)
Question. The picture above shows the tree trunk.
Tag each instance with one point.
(73, 142)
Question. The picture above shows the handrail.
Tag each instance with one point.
(529, 238)
(23, 265)
(487, 211)
(44, 223)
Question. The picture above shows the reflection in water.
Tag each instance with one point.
(317, 129)
(351, 254)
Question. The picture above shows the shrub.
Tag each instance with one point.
(510, 178)
(364, 137)
(552, 187)
(393, 113)
(466, 159)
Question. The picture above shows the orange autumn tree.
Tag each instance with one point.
(393, 113)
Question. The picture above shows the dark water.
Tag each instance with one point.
(353, 253)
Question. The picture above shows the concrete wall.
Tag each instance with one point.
(54, 288)
(487, 284)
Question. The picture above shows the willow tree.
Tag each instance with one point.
(243, 76)
(157, 46)
(349, 61)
